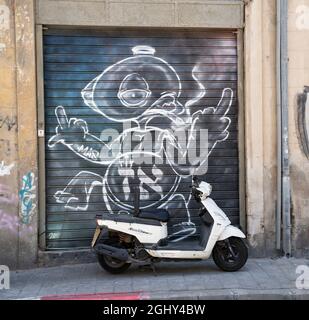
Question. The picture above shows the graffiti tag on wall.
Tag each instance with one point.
(8, 122)
(27, 198)
(303, 120)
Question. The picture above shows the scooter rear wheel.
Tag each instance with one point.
(110, 264)
(227, 260)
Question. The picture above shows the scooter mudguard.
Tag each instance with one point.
(231, 231)
(100, 233)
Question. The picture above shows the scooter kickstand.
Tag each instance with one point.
(152, 266)
(146, 266)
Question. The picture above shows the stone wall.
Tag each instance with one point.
(18, 143)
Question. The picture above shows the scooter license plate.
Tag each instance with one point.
(95, 236)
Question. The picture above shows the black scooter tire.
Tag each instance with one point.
(107, 264)
(241, 249)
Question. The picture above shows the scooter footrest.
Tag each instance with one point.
(163, 242)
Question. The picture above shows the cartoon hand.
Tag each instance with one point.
(215, 119)
(69, 131)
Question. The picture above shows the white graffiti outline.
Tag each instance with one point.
(166, 106)
(88, 92)
(59, 195)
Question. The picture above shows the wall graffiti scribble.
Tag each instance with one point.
(149, 111)
(27, 197)
(8, 122)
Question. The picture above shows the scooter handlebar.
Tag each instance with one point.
(195, 179)
(196, 182)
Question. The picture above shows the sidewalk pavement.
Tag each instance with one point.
(259, 279)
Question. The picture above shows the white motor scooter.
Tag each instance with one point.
(142, 237)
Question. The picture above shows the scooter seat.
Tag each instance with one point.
(155, 214)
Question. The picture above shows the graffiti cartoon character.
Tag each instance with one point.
(142, 94)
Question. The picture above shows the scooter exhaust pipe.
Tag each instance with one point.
(117, 253)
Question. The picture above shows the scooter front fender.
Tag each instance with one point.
(231, 231)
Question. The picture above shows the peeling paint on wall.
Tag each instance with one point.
(27, 197)
(5, 170)
(4, 25)
(303, 120)
(4, 18)
(7, 196)
(302, 19)
(6, 147)
(9, 222)
(22, 15)
(2, 47)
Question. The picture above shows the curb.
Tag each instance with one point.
(235, 294)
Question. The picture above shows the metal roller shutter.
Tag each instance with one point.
(95, 82)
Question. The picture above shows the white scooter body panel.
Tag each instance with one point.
(231, 231)
(221, 222)
(143, 232)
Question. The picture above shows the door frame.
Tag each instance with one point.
(41, 126)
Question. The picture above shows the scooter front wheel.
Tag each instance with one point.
(230, 255)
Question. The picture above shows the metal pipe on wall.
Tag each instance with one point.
(279, 145)
(283, 215)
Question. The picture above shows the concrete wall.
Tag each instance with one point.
(18, 144)
(138, 13)
(260, 83)
(260, 123)
(298, 78)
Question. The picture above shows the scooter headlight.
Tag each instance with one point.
(205, 188)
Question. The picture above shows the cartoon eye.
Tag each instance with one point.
(134, 91)
(134, 97)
